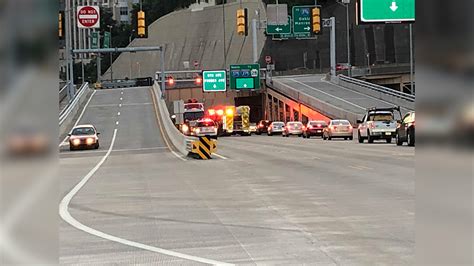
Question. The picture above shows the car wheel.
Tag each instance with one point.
(345, 138)
(351, 138)
(389, 140)
(329, 137)
(370, 139)
(359, 137)
(411, 138)
(269, 134)
(71, 148)
(324, 137)
(300, 135)
(97, 146)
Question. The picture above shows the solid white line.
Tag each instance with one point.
(328, 94)
(220, 156)
(64, 143)
(67, 217)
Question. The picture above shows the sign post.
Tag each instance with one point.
(243, 77)
(376, 11)
(214, 81)
(88, 17)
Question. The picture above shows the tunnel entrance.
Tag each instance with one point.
(256, 106)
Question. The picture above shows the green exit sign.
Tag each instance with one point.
(386, 11)
(245, 77)
(214, 81)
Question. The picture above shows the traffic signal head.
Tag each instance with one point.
(198, 80)
(242, 25)
(170, 81)
(61, 25)
(316, 20)
(141, 31)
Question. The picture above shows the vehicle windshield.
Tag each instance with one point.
(278, 124)
(381, 117)
(189, 116)
(83, 131)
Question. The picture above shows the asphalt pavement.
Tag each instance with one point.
(262, 200)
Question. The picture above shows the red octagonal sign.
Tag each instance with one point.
(88, 17)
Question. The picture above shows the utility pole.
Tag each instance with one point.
(131, 54)
(254, 40)
(223, 26)
(69, 42)
(333, 46)
(349, 70)
(111, 54)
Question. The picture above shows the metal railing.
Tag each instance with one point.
(378, 88)
(63, 92)
(66, 111)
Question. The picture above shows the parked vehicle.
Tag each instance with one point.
(406, 130)
(338, 129)
(293, 128)
(314, 128)
(262, 126)
(275, 128)
(378, 123)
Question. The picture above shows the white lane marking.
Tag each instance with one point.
(117, 122)
(64, 142)
(121, 98)
(121, 92)
(120, 105)
(220, 156)
(328, 94)
(161, 128)
(118, 113)
(67, 217)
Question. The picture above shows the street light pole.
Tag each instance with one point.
(349, 71)
(111, 54)
(131, 59)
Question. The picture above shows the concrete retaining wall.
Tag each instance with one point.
(193, 35)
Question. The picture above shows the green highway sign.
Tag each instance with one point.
(95, 40)
(302, 19)
(377, 11)
(243, 77)
(214, 81)
(280, 29)
(107, 40)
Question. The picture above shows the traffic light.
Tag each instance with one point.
(141, 31)
(61, 26)
(316, 20)
(198, 80)
(242, 25)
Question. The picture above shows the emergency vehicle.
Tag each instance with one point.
(231, 119)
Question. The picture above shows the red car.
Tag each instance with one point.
(314, 128)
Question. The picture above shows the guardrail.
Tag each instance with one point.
(66, 111)
(63, 92)
(377, 88)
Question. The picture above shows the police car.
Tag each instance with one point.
(204, 127)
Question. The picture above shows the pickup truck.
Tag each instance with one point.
(378, 123)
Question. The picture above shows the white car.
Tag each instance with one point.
(83, 137)
(204, 127)
(275, 128)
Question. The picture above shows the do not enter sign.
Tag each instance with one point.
(88, 17)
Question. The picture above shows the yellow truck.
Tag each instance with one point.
(236, 120)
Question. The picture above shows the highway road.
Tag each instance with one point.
(264, 200)
(344, 98)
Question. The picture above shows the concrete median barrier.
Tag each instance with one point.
(68, 115)
(178, 140)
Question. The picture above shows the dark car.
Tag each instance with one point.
(314, 128)
(262, 126)
(406, 130)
